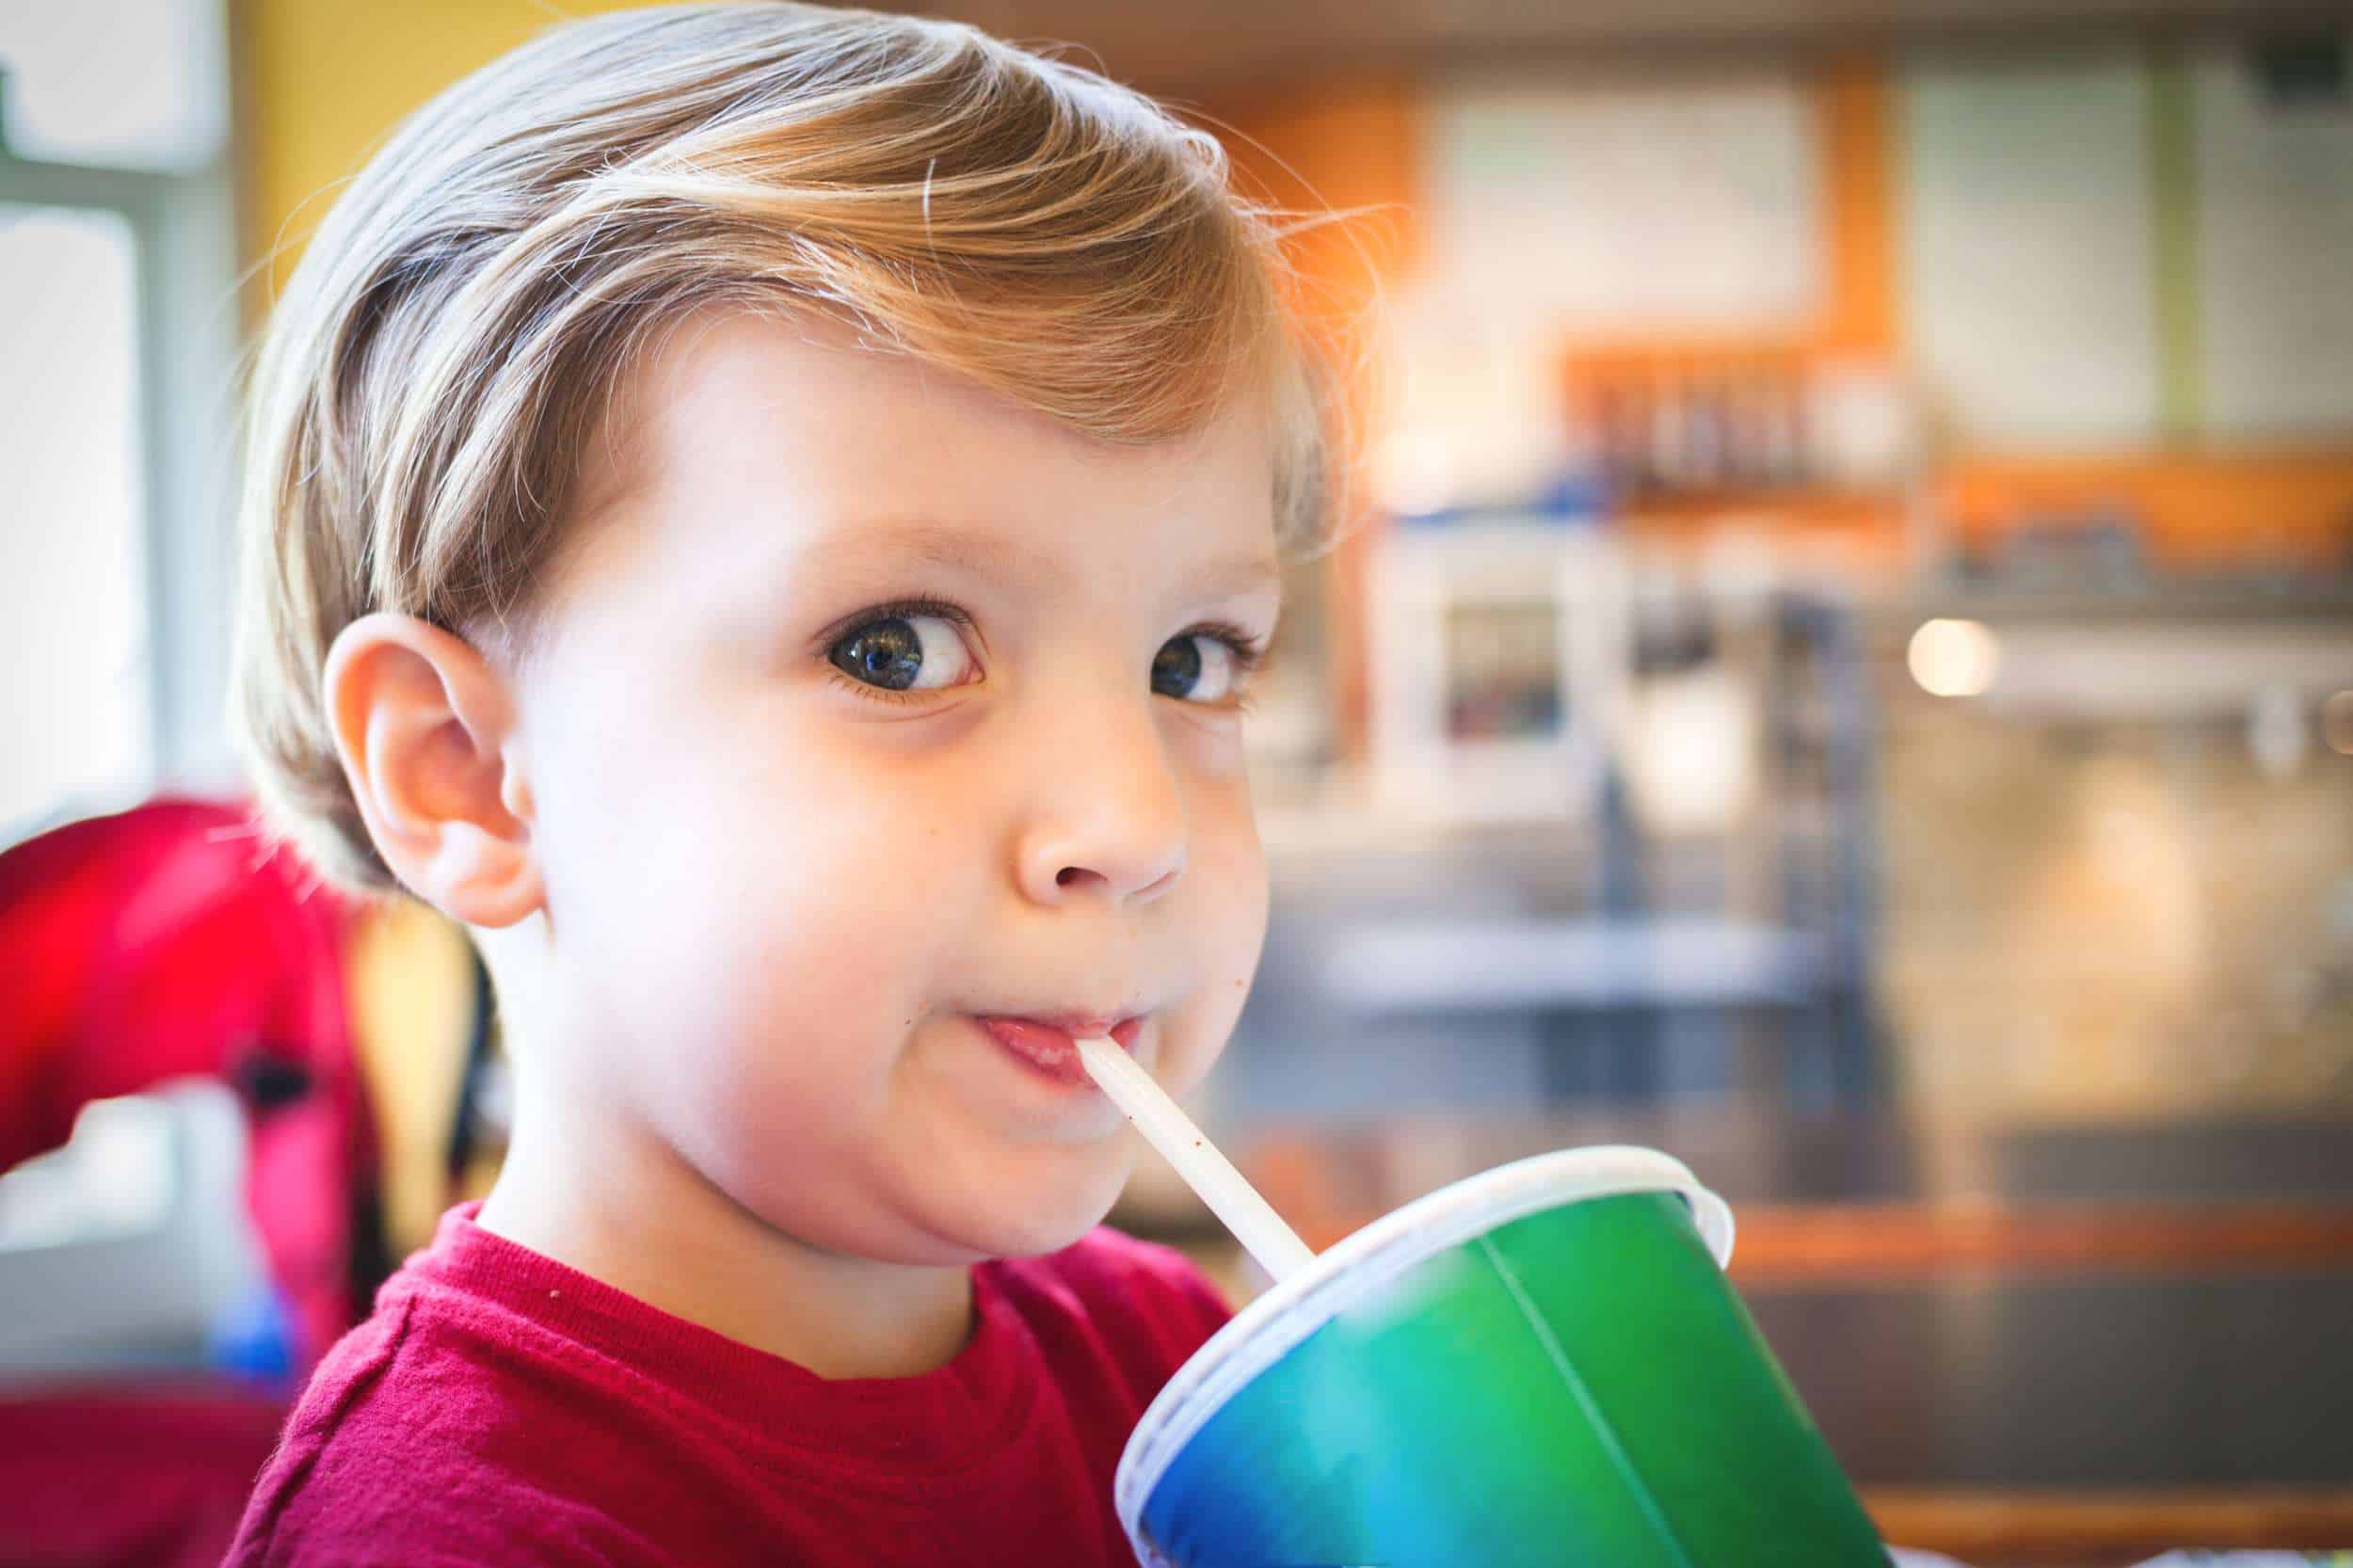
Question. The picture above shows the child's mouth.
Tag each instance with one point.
(1048, 1046)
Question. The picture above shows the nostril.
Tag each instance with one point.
(1066, 876)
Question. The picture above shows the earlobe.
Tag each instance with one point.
(425, 729)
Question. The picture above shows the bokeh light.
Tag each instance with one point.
(1954, 657)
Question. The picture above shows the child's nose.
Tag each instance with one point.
(1112, 824)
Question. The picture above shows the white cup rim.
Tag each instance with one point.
(1370, 1258)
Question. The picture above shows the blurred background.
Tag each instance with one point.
(1840, 668)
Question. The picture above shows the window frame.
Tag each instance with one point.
(187, 335)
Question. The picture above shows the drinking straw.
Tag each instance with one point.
(1209, 1174)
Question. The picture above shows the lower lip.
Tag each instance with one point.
(1047, 1051)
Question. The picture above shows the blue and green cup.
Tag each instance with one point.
(1538, 1367)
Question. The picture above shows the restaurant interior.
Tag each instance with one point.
(1837, 665)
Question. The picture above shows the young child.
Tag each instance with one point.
(767, 514)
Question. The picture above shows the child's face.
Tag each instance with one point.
(797, 835)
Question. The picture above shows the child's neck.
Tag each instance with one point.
(633, 1213)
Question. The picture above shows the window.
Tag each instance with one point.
(72, 637)
(119, 314)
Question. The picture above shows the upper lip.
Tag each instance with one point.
(1079, 1026)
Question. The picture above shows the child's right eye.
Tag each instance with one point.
(903, 650)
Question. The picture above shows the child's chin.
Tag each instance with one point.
(1046, 1224)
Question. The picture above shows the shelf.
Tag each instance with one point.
(1810, 503)
(1369, 970)
(2265, 599)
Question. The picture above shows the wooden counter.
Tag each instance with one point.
(2031, 1529)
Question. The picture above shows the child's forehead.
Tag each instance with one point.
(794, 422)
(1016, 557)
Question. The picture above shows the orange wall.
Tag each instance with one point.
(2202, 506)
(1340, 144)
(1853, 110)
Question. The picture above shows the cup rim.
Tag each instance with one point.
(1370, 1258)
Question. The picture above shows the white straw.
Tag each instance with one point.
(1209, 1174)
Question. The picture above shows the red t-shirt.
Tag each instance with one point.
(500, 1407)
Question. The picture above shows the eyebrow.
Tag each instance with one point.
(989, 555)
(1238, 574)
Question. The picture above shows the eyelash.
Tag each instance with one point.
(1250, 653)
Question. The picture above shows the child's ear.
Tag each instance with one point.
(425, 729)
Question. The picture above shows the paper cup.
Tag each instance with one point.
(1541, 1364)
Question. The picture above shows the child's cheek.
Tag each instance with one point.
(1225, 921)
(843, 898)
(1228, 851)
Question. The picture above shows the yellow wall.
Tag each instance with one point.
(411, 996)
(321, 83)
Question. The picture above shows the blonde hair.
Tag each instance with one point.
(454, 334)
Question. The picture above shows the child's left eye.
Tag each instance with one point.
(1200, 666)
